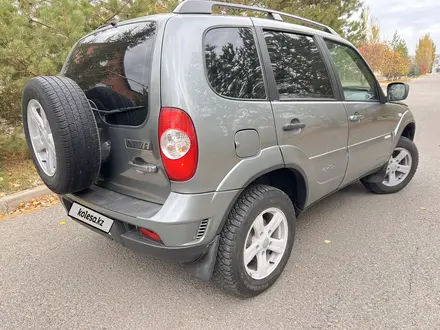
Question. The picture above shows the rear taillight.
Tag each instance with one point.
(178, 144)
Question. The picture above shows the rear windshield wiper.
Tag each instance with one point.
(113, 111)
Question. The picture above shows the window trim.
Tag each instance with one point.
(260, 58)
(336, 83)
(378, 89)
(157, 47)
(273, 89)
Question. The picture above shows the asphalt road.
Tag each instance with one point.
(381, 269)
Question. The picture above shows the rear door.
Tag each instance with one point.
(371, 121)
(118, 69)
(311, 122)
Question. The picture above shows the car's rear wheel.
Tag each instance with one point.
(400, 169)
(256, 241)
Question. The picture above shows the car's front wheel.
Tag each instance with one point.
(256, 241)
(400, 169)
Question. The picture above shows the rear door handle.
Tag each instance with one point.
(356, 117)
(143, 167)
(293, 126)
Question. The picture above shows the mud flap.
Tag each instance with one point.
(204, 267)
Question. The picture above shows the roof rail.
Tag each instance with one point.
(105, 25)
(205, 7)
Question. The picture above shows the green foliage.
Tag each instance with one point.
(399, 56)
(339, 15)
(37, 35)
(414, 70)
(399, 45)
(13, 142)
(17, 171)
(13, 148)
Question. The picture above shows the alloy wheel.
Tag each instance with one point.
(266, 243)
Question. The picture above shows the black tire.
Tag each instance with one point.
(230, 270)
(74, 130)
(380, 188)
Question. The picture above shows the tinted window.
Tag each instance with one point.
(299, 70)
(232, 63)
(357, 81)
(113, 69)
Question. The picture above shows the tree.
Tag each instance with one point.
(389, 59)
(345, 17)
(373, 49)
(37, 35)
(400, 56)
(399, 45)
(339, 15)
(414, 70)
(395, 65)
(425, 54)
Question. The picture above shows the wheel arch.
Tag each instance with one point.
(290, 179)
(406, 127)
(409, 131)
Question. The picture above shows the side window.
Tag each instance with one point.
(299, 69)
(233, 65)
(357, 80)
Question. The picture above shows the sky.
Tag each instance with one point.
(411, 18)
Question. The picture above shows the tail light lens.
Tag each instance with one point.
(150, 234)
(178, 144)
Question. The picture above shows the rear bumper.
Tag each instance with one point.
(187, 223)
(137, 243)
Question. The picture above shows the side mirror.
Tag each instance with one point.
(397, 91)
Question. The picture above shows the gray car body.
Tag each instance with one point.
(239, 142)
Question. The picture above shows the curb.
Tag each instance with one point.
(7, 203)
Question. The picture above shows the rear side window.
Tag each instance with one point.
(232, 63)
(113, 69)
(299, 69)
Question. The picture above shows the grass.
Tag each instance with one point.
(17, 171)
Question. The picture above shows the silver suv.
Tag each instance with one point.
(201, 138)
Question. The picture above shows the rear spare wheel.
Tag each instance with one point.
(61, 133)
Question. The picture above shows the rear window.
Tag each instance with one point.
(232, 63)
(113, 69)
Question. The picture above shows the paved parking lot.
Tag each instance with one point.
(380, 270)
